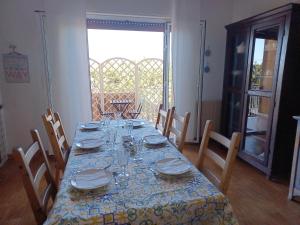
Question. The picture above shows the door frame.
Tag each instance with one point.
(139, 19)
(280, 22)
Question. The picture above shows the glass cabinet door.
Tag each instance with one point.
(257, 125)
(260, 103)
(234, 112)
(236, 66)
(238, 60)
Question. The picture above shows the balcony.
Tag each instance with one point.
(124, 79)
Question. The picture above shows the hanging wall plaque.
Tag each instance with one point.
(15, 67)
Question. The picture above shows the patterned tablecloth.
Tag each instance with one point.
(145, 198)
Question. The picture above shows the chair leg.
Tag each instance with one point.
(57, 176)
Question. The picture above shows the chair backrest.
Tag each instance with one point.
(50, 115)
(100, 109)
(182, 122)
(139, 109)
(162, 120)
(57, 138)
(38, 192)
(226, 165)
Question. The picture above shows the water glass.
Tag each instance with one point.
(137, 148)
(129, 125)
(123, 161)
(106, 120)
(118, 115)
(113, 133)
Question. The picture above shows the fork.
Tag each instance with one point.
(155, 173)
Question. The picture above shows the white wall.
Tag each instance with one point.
(245, 8)
(25, 102)
(186, 38)
(68, 60)
(186, 55)
(217, 14)
(153, 8)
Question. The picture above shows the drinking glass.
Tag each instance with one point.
(106, 120)
(118, 115)
(113, 133)
(123, 161)
(137, 148)
(129, 125)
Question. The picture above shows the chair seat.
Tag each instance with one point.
(134, 112)
(107, 113)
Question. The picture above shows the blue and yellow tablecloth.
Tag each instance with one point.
(144, 199)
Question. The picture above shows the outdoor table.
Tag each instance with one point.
(121, 106)
(145, 198)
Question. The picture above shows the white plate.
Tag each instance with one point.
(138, 123)
(172, 166)
(89, 143)
(89, 126)
(155, 139)
(91, 179)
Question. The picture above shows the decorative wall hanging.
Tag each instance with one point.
(15, 66)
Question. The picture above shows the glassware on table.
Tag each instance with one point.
(106, 122)
(123, 156)
(118, 115)
(113, 133)
(138, 143)
(129, 125)
(110, 137)
(101, 125)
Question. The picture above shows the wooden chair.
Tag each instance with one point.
(38, 192)
(226, 165)
(105, 114)
(50, 115)
(136, 113)
(179, 134)
(58, 140)
(162, 120)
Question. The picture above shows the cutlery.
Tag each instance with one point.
(155, 173)
(84, 153)
(87, 152)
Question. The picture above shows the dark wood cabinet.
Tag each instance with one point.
(261, 88)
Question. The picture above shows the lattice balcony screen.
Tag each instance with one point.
(120, 78)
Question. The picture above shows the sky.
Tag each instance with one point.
(259, 50)
(133, 45)
(136, 45)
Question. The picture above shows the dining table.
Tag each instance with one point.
(146, 197)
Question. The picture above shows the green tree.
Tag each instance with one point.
(256, 74)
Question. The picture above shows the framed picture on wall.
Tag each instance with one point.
(15, 67)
